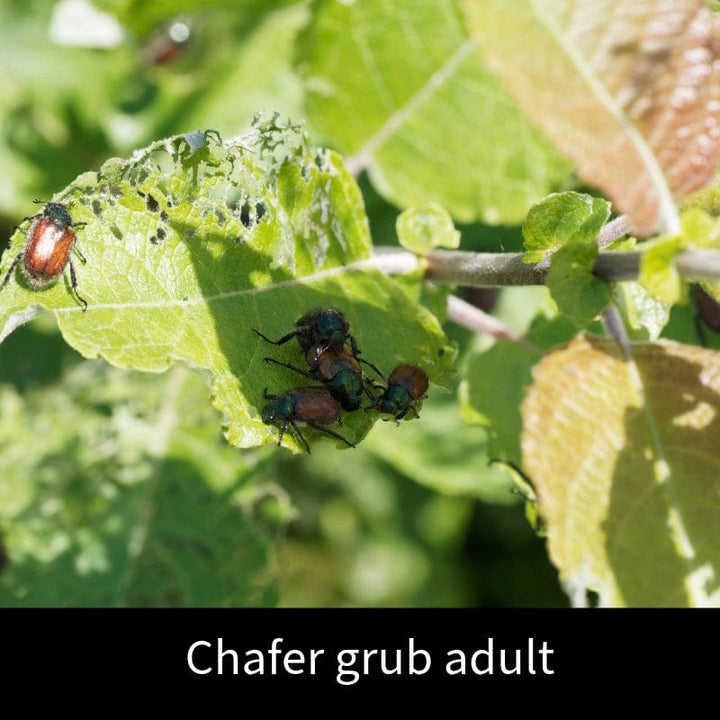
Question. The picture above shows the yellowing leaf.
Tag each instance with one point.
(629, 90)
(624, 455)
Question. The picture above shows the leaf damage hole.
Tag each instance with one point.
(152, 204)
(251, 215)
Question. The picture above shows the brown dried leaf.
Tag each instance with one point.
(629, 90)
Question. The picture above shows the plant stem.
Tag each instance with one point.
(498, 269)
(472, 269)
(473, 318)
(700, 264)
(482, 269)
(613, 231)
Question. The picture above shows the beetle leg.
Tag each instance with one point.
(73, 283)
(291, 367)
(373, 399)
(354, 346)
(9, 272)
(328, 431)
(282, 432)
(80, 255)
(281, 341)
(300, 435)
(369, 364)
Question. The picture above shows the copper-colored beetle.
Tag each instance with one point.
(406, 388)
(50, 238)
(312, 406)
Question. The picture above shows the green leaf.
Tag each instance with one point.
(131, 498)
(578, 293)
(191, 244)
(54, 125)
(143, 17)
(245, 72)
(442, 453)
(657, 269)
(399, 88)
(561, 218)
(420, 229)
(623, 454)
(644, 315)
(707, 199)
(523, 488)
(496, 380)
(96, 103)
(700, 228)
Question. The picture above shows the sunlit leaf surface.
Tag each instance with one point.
(629, 90)
(623, 454)
(191, 244)
(398, 87)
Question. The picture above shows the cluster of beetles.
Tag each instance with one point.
(333, 361)
(331, 354)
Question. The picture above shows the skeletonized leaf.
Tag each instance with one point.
(624, 457)
(191, 244)
(629, 90)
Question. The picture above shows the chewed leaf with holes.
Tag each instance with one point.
(630, 505)
(193, 243)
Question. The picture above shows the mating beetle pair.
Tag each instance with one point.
(324, 336)
(50, 239)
